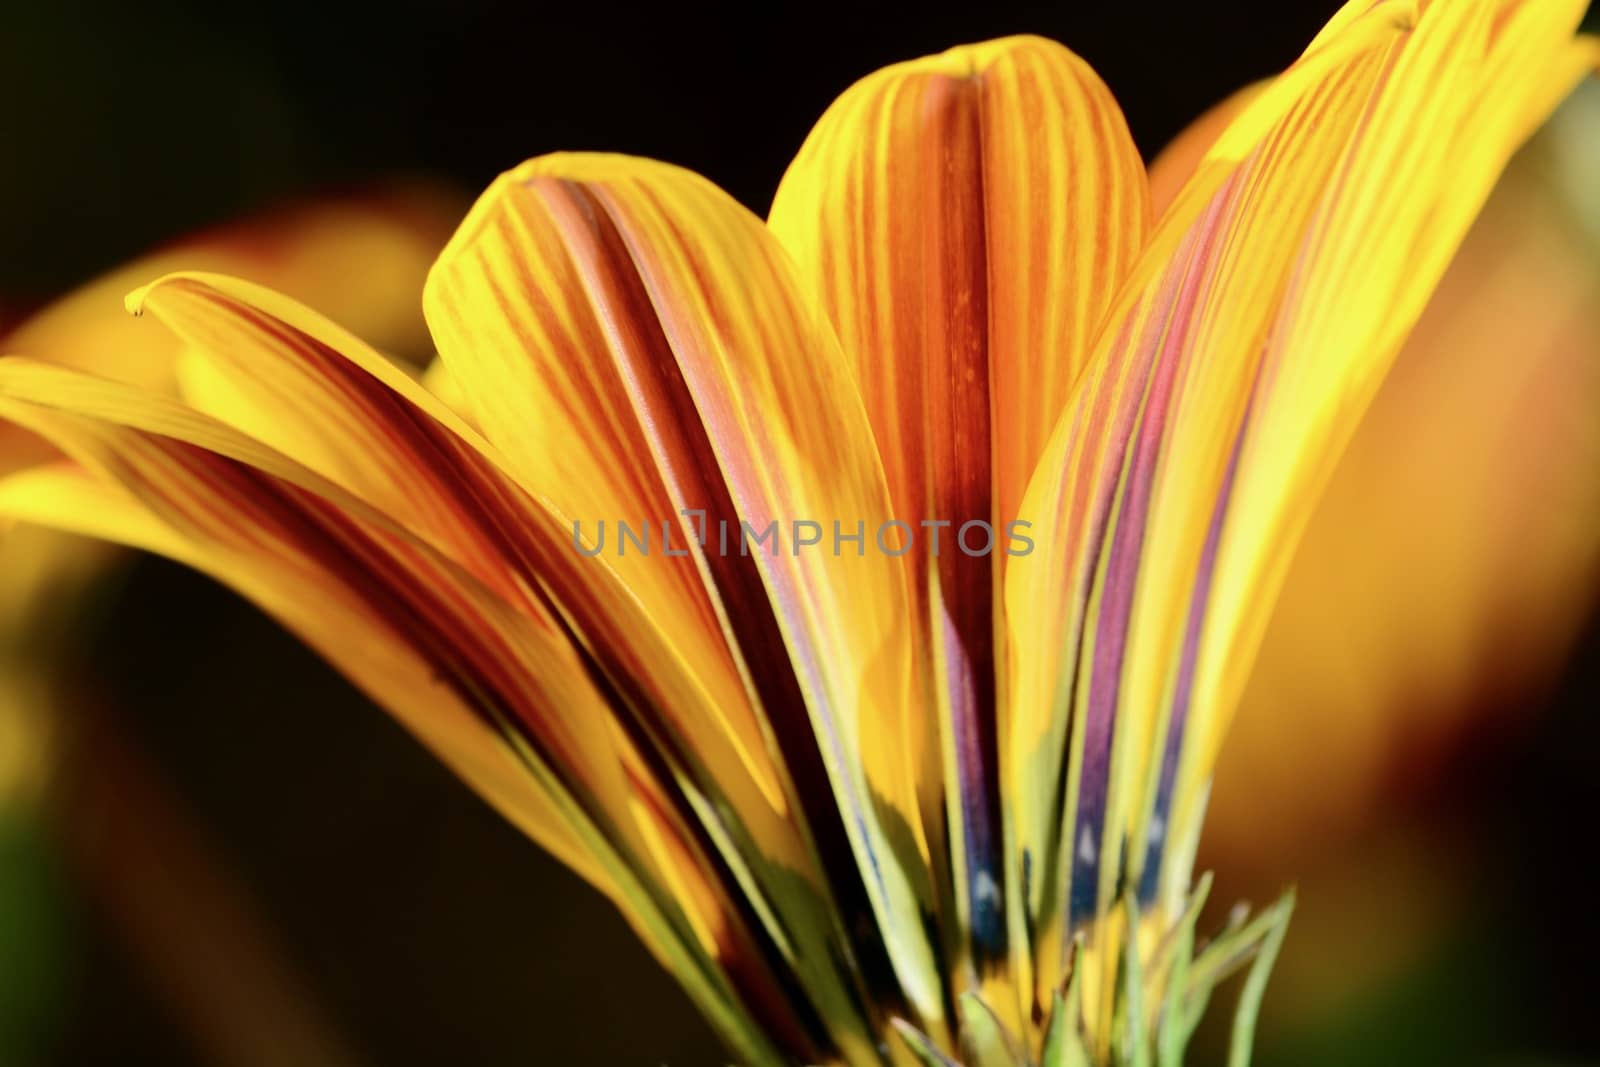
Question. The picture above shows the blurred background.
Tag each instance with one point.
(213, 851)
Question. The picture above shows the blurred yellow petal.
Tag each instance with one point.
(1423, 593)
(1371, 265)
(1171, 170)
(26, 737)
(360, 257)
(1454, 556)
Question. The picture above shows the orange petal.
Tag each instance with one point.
(637, 346)
(299, 383)
(503, 696)
(964, 220)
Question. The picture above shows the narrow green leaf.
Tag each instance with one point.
(1135, 1049)
(1175, 1027)
(1255, 983)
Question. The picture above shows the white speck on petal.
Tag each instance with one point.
(987, 891)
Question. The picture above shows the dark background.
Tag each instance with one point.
(418, 927)
(129, 123)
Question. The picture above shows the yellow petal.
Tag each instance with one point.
(193, 478)
(1366, 273)
(637, 346)
(69, 498)
(1456, 552)
(359, 259)
(1172, 169)
(312, 391)
(502, 696)
(535, 376)
(1233, 369)
(296, 382)
(321, 397)
(964, 220)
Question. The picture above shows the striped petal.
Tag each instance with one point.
(964, 220)
(1434, 577)
(1230, 373)
(69, 497)
(504, 695)
(637, 346)
(1367, 269)
(317, 394)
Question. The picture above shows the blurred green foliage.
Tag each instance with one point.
(35, 943)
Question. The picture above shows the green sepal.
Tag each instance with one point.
(922, 1048)
(985, 1038)
(1063, 1041)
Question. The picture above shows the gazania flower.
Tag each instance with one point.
(969, 485)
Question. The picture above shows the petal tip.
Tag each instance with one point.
(134, 301)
